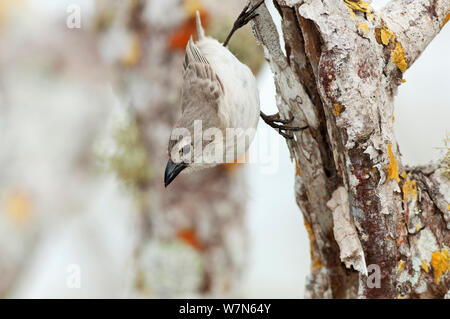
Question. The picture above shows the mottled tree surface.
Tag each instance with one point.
(363, 209)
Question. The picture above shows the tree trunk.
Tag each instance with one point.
(377, 229)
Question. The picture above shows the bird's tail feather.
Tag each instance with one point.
(200, 30)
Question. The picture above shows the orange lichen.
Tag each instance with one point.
(425, 266)
(446, 19)
(393, 118)
(401, 236)
(18, 206)
(179, 39)
(132, 56)
(440, 263)
(312, 237)
(403, 81)
(392, 168)
(315, 260)
(181, 36)
(297, 169)
(409, 187)
(189, 237)
(363, 26)
(337, 109)
(231, 167)
(398, 57)
(316, 263)
(400, 265)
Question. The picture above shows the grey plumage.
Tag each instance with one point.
(219, 91)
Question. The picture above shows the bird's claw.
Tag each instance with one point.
(244, 17)
(272, 121)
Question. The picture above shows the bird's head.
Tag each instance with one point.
(194, 145)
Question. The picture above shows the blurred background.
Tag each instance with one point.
(89, 91)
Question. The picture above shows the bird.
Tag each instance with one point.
(219, 99)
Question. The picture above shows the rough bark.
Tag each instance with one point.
(343, 65)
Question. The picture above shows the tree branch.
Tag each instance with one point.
(415, 23)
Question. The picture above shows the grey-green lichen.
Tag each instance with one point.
(169, 268)
(445, 163)
(128, 159)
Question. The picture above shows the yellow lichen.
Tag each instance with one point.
(440, 263)
(425, 266)
(337, 109)
(386, 35)
(8, 9)
(297, 170)
(392, 168)
(401, 297)
(398, 57)
(352, 13)
(312, 237)
(363, 26)
(418, 227)
(403, 81)
(358, 5)
(409, 187)
(400, 266)
(132, 56)
(191, 6)
(361, 6)
(18, 206)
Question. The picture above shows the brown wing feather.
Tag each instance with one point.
(201, 84)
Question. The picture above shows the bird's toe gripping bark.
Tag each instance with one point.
(244, 17)
(273, 120)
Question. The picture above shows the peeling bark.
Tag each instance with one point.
(343, 65)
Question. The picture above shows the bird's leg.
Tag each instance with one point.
(272, 121)
(244, 18)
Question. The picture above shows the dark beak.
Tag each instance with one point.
(172, 171)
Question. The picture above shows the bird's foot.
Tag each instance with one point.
(273, 120)
(245, 17)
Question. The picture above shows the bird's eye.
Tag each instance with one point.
(185, 150)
